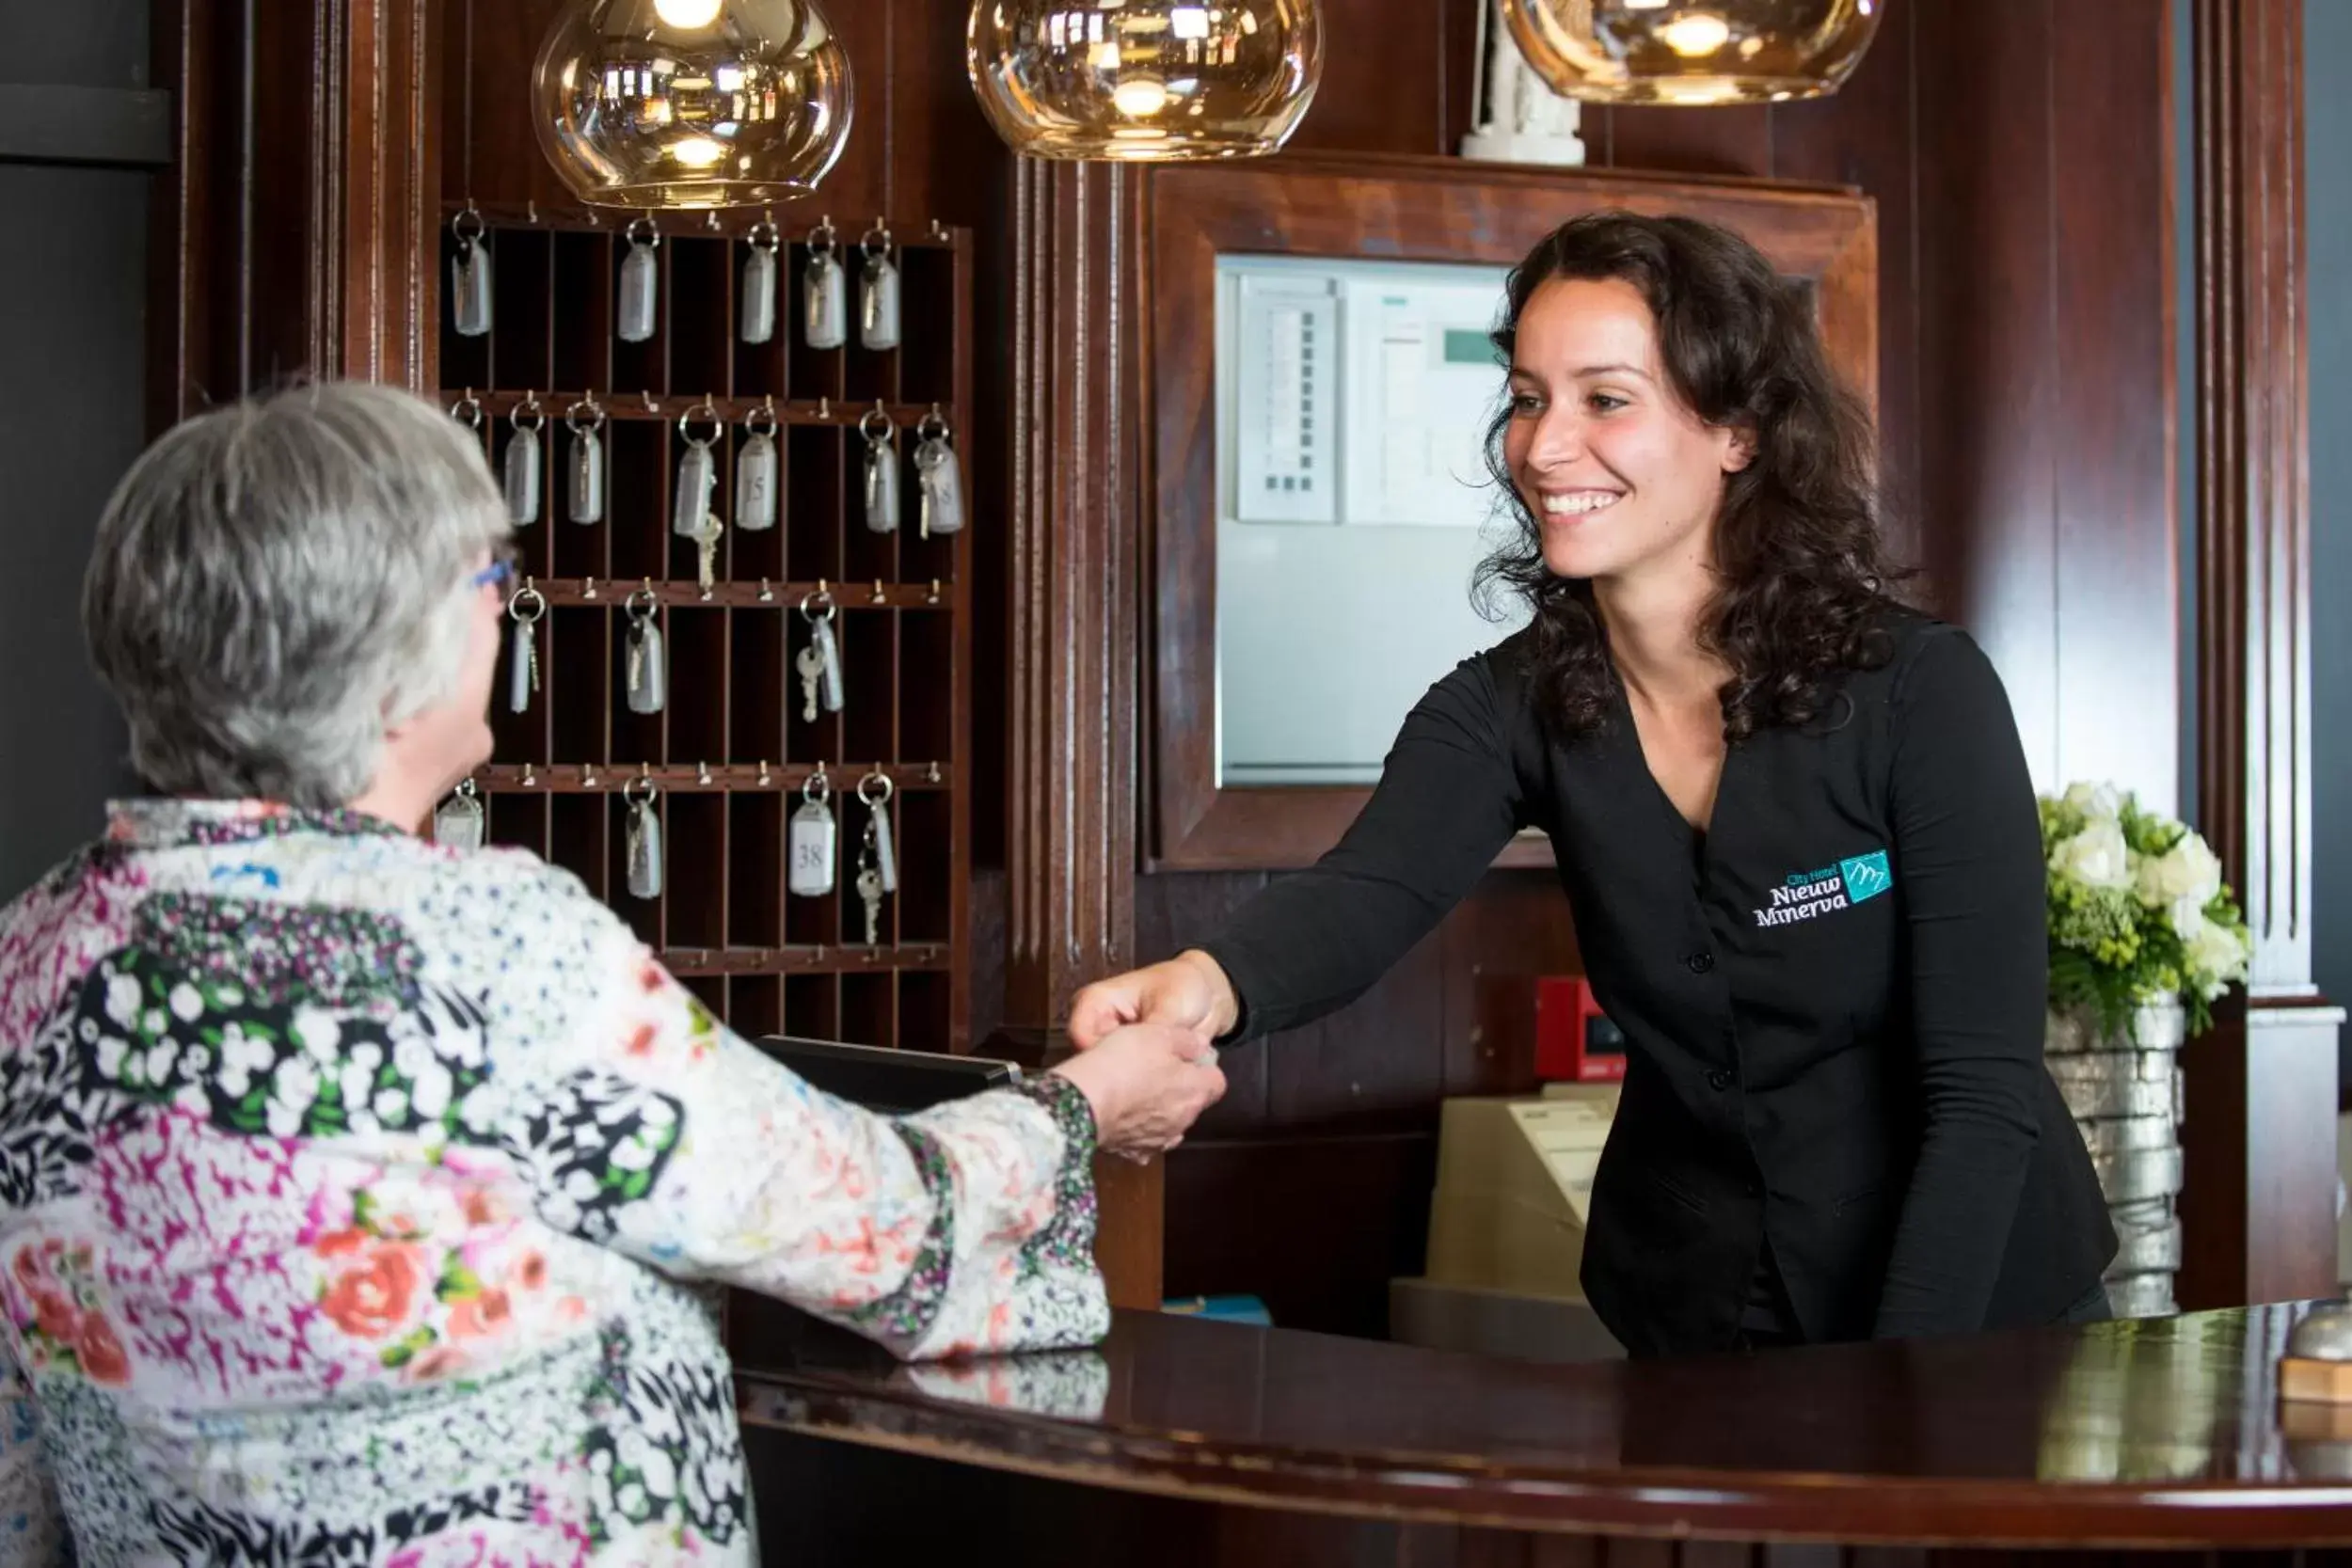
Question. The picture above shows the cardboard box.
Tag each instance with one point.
(1514, 1188)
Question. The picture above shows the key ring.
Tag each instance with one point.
(866, 243)
(890, 432)
(652, 239)
(925, 430)
(467, 410)
(764, 229)
(761, 421)
(824, 612)
(876, 800)
(538, 604)
(589, 405)
(628, 792)
(823, 239)
(528, 405)
(457, 226)
(651, 608)
(817, 788)
(709, 412)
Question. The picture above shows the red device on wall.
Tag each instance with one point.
(1575, 1042)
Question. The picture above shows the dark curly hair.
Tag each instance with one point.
(1805, 582)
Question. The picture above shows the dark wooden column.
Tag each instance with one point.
(2257, 1208)
(293, 233)
(1075, 521)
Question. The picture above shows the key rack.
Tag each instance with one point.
(730, 753)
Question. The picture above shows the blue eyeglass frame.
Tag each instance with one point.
(502, 570)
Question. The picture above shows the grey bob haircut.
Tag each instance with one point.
(278, 582)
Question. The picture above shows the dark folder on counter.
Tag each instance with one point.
(896, 1083)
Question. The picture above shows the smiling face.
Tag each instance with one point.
(1622, 478)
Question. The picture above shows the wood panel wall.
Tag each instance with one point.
(2019, 151)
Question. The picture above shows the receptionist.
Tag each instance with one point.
(1791, 817)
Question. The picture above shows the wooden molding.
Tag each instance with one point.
(2253, 523)
(1069, 788)
(259, 278)
(2258, 1202)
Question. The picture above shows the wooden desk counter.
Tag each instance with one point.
(2158, 1433)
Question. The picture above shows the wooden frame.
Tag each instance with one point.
(1393, 208)
(255, 279)
(2257, 1200)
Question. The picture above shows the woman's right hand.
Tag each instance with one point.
(1189, 992)
(1147, 1083)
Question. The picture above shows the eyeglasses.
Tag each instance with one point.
(502, 570)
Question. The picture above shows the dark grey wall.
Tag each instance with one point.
(73, 279)
(2328, 169)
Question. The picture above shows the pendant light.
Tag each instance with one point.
(670, 103)
(1692, 52)
(1155, 81)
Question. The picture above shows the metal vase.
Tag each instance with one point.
(2124, 1090)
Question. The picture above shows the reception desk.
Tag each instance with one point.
(1184, 1441)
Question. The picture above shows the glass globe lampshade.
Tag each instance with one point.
(1144, 80)
(690, 102)
(1692, 52)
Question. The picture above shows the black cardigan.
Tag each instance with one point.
(1832, 1005)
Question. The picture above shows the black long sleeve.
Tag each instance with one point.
(1447, 803)
(1968, 844)
(1834, 1014)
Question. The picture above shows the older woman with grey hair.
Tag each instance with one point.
(353, 1188)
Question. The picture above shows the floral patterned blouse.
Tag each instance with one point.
(358, 1197)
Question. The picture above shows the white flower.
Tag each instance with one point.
(295, 1084)
(110, 1054)
(196, 1058)
(229, 996)
(660, 1475)
(355, 1083)
(154, 1022)
(241, 1057)
(2188, 915)
(159, 1062)
(2188, 870)
(632, 1154)
(2100, 803)
(411, 1056)
(367, 1054)
(2217, 956)
(430, 1092)
(480, 1109)
(318, 1030)
(581, 1187)
(2095, 857)
(192, 1099)
(392, 1104)
(284, 1120)
(186, 1003)
(123, 1000)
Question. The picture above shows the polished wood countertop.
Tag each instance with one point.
(2161, 1432)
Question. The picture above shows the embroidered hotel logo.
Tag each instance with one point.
(1852, 880)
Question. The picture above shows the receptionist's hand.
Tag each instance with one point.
(1147, 1083)
(1189, 992)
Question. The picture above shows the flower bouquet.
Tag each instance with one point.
(2138, 913)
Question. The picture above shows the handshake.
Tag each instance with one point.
(1145, 1062)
